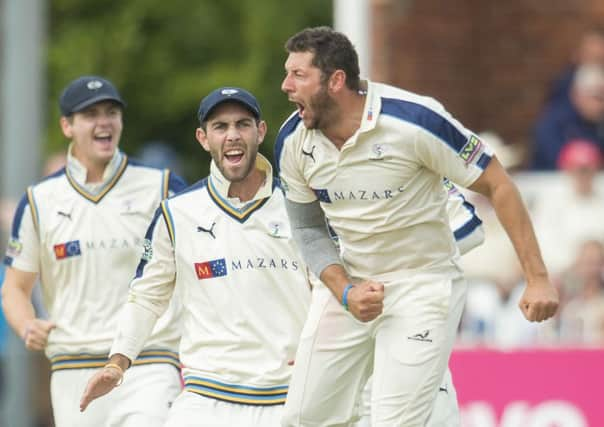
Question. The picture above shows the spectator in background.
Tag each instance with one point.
(581, 118)
(590, 51)
(566, 216)
(582, 287)
(54, 162)
(161, 154)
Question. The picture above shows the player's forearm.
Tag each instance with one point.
(18, 308)
(120, 360)
(135, 326)
(310, 233)
(336, 279)
(515, 219)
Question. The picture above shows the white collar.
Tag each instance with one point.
(221, 184)
(79, 172)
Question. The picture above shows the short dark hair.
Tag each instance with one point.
(332, 51)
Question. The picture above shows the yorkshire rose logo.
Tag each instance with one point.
(94, 85)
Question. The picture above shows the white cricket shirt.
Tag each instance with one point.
(383, 191)
(85, 242)
(244, 288)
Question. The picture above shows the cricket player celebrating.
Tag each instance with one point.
(371, 159)
(80, 231)
(225, 243)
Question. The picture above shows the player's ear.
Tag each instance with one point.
(201, 136)
(337, 81)
(262, 128)
(66, 123)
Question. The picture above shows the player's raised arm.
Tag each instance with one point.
(540, 299)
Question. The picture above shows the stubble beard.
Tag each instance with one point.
(239, 175)
(323, 108)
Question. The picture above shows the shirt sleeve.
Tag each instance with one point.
(464, 221)
(451, 150)
(175, 183)
(289, 161)
(23, 249)
(150, 291)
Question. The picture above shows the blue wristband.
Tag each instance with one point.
(345, 295)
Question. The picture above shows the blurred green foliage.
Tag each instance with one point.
(164, 56)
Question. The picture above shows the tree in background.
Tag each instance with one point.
(164, 56)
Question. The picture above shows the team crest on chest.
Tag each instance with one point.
(67, 249)
(209, 269)
(276, 228)
(378, 151)
(127, 205)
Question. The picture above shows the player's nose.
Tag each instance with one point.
(233, 133)
(286, 84)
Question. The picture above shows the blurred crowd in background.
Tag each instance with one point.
(559, 173)
(559, 176)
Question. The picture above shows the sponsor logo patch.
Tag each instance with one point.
(14, 248)
(422, 336)
(147, 250)
(209, 230)
(67, 250)
(310, 153)
(64, 214)
(471, 149)
(209, 269)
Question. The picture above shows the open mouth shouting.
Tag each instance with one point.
(234, 156)
(104, 138)
(301, 110)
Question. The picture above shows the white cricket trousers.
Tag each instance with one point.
(142, 400)
(407, 348)
(444, 412)
(194, 410)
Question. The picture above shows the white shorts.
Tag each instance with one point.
(409, 345)
(193, 410)
(142, 400)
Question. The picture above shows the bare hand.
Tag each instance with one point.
(101, 383)
(366, 300)
(36, 334)
(539, 301)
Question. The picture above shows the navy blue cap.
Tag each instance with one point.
(85, 91)
(224, 94)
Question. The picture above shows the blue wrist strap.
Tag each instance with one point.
(345, 295)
